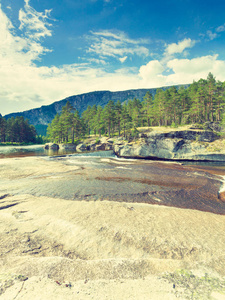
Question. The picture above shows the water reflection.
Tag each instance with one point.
(33, 150)
(38, 150)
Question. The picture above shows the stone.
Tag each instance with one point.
(100, 147)
(81, 148)
(92, 147)
(175, 145)
(111, 141)
(108, 147)
(67, 146)
(51, 146)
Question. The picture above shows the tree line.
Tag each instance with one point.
(17, 130)
(202, 101)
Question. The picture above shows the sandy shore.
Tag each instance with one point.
(52, 248)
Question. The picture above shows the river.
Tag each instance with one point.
(103, 176)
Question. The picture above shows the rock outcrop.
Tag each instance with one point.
(69, 147)
(189, 144)
(51, 146)
(174, 145)
(81, 148)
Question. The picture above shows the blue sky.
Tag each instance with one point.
(53, 49)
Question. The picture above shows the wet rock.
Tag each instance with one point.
(214, 126)
(101, 147)
(81, 148)
(92, 147)
(51, 146)
(111, 141)
(67, 146)
(109, 147)
(222, 196)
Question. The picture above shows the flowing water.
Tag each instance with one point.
(38, 150)
(103, 176)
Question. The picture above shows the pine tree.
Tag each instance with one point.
(147, 108)
(109, 116)
(211, 84)
(126, 120)
(76, 126)
(118, 115)
(66, 118)
(3, 125)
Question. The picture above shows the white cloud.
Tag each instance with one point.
(187, 70)
(183, 70)
(123, 59)
(22, 50)
(211, 35)
(151, 74)
(221, 28)
(117, 45)
(153, 68)
(95, 60)
(179, 47)
(24, 85)
(35, 24)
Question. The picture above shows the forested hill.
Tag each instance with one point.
(45, 114)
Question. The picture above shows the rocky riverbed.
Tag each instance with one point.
(166, 143)
(108, 228)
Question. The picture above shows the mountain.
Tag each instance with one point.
(41, 117)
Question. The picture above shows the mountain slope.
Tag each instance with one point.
(45, 114)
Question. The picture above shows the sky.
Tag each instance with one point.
(53, 49)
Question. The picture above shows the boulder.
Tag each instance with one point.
(191, 135)
(111, 141)
(214, 126)
(100, 147)
(175, 145)
(51, 146)
(92, 147)
(67, 147)
(81, 148)
(109, 146)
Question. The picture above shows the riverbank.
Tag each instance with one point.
(185, 143)
(106, 228)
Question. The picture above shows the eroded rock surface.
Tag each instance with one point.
(174, 145)
(79, 225)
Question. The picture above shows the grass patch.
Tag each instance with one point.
(190, 286)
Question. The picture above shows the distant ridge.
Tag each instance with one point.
(41, 117)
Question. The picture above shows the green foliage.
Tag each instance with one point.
(192, 286)
(66, 127)
(201, 102)
(174, 125)
(16, 130)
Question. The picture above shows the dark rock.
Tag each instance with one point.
(67, 147)
(92, 147)
(214, 126)
(109, 147)
(111, 141)
(51, 146)
(178, 145)
(192, 135)
(81, 148)
(100, 147)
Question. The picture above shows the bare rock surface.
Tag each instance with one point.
(105, 249)
(175, 145)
